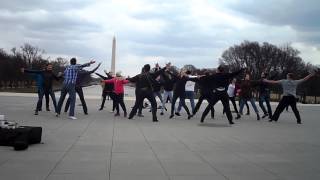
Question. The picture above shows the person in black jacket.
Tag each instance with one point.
(157, 92)
(83, 77)
(168, 86)
(48, 78)
(206, 93)
(107, 91)
(179, 92)
(220, 80)
(144, 89)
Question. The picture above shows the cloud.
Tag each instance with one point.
(183, 31)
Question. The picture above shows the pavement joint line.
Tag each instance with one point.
(248, 160)
(111, 152)
(261, 166)
(199, 156)
(154, 153)
(66, 152)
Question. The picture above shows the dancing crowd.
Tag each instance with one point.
(168, 86)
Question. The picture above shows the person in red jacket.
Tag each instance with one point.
(118, 82)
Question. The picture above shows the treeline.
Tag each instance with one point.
(26, 56)
(277, 61)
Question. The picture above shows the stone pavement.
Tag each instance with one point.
(100, 146)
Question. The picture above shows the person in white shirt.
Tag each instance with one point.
(189, 92)
(232, 95)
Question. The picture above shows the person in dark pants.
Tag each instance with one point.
(189, 91)
(46, 86)
(157, 93)
(206, 93)
(118, 82)
(221, 82)
(144, 90)
(289, 95)
(238, 90)
(69, 85)
(264, 96)
(179, 92)
(107, 91)
(83, 77)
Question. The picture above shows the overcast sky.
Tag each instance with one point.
(148, 31)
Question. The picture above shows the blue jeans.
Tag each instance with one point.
(40, 97)
(71, 90)
(243, 102)
(265, 98)
(190, 96)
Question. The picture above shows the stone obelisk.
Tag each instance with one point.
(113, 60)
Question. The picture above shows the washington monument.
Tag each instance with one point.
(113, 60)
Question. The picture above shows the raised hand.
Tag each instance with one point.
(92, 61)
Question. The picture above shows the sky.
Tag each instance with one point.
(149, 31)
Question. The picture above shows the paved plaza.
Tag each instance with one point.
(100, 146)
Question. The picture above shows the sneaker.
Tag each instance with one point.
(72, 117)
(270, 120)
(299, 122)
(40, 110)
(161, 113)
(171, 116)
(265, 115)
(178, 114)
(57, 114)
(238, 116)
(86, 113)
(189, 116)
(36, 113)
(155, 120)
(231, 122)
(140, 115)
(100, 109)
(111, 111)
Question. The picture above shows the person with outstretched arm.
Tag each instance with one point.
(45, 85)
(289, 95)
(220, 80)
(144, 89)
(69, 85)
(119, 83)
(246, 94)
(81, 78)
(179, 92)
(107, 90)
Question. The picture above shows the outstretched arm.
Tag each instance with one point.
(87, 64)
(93, 70)
(102, 77)
(307, 77)
(236, 73)
(31, 71)
(133, 79)
(271, 81)
(159, 72)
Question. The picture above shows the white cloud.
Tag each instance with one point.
(182, 31)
